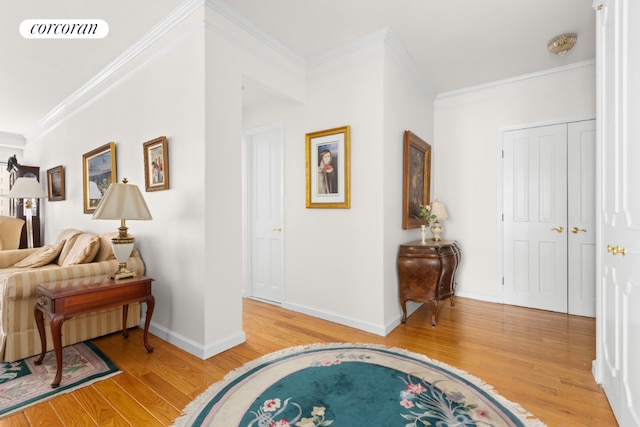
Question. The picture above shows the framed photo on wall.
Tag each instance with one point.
(328, 168)
(416, 178)
(156, 164)
(98, 172)
(55, 183)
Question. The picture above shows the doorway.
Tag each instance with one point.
(549, 217)
(264, 185)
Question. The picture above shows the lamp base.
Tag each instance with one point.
(122, 273)
(436, 229)
(122, 247)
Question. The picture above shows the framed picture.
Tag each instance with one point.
(55, 183)
(156, 164)
(98, 172)
(416, 178)
(328, 163)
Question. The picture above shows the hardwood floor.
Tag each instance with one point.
(539, 359)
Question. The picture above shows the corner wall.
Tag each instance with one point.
(467, 162)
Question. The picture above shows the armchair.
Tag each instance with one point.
(10, 232)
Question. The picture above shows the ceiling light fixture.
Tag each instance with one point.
(562, 44)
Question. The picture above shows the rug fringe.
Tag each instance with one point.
(65, 391)
(187, 413)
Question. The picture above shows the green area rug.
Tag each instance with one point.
(23, 383)
(351, 385)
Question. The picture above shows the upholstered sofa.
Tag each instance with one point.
(74, 254)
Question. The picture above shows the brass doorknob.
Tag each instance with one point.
(615, 250)
(558, 229)
(576, 230)
(277, 229)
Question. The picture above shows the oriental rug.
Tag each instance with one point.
(23, 383)
(351, 385)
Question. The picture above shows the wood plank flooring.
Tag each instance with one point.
(539, 359)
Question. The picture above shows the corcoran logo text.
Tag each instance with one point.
(64, 29)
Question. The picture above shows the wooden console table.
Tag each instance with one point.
(64, 299)
(426, 273)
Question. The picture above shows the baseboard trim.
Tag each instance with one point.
(193, 347)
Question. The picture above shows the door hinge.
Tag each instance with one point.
(502, 280)
(503, 217)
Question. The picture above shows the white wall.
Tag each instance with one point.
(340, 264)
(467, 165)
(159, 93)
(188, 86)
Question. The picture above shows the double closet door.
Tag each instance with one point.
(549, 217)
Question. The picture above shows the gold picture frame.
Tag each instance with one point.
(156, 164)
(328, 168)
(55, 183)
(416, 178)
(98, 172)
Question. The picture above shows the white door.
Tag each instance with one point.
(549, 218)
(617, 365)
(581, 224)
(535, 217)
(265, 192)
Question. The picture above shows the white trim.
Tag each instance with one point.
(342, 320)
(63, 110)
(476, 296)
(234, 16)
(194, 348)
(385, 35)
(518, 79)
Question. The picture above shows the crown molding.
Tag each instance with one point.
(234, 16)
(518, 79)
(183, 11)
(385, 35)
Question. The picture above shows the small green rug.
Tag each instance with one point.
(23, 383)
(351, 385)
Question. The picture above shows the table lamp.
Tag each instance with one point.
(122, 201)
(30, 190)
(438, 209)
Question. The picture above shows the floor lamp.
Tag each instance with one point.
(30, 190)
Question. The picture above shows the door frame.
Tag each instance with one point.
(247, 200)
(500, 196)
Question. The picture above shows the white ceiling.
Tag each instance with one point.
(456, 43)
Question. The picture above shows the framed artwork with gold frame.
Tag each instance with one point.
(328, 168)
(416, 178)
(55, 183)
(98, 172)
(156, 164)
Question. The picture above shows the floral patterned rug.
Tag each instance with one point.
(351, 385)
(23, 383)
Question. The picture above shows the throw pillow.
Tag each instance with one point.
(84, 249)
(70, 235)
(44, 256)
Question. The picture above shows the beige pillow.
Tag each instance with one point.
(44, 256)
(84, 249)
(70, 235)
(106, 250)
